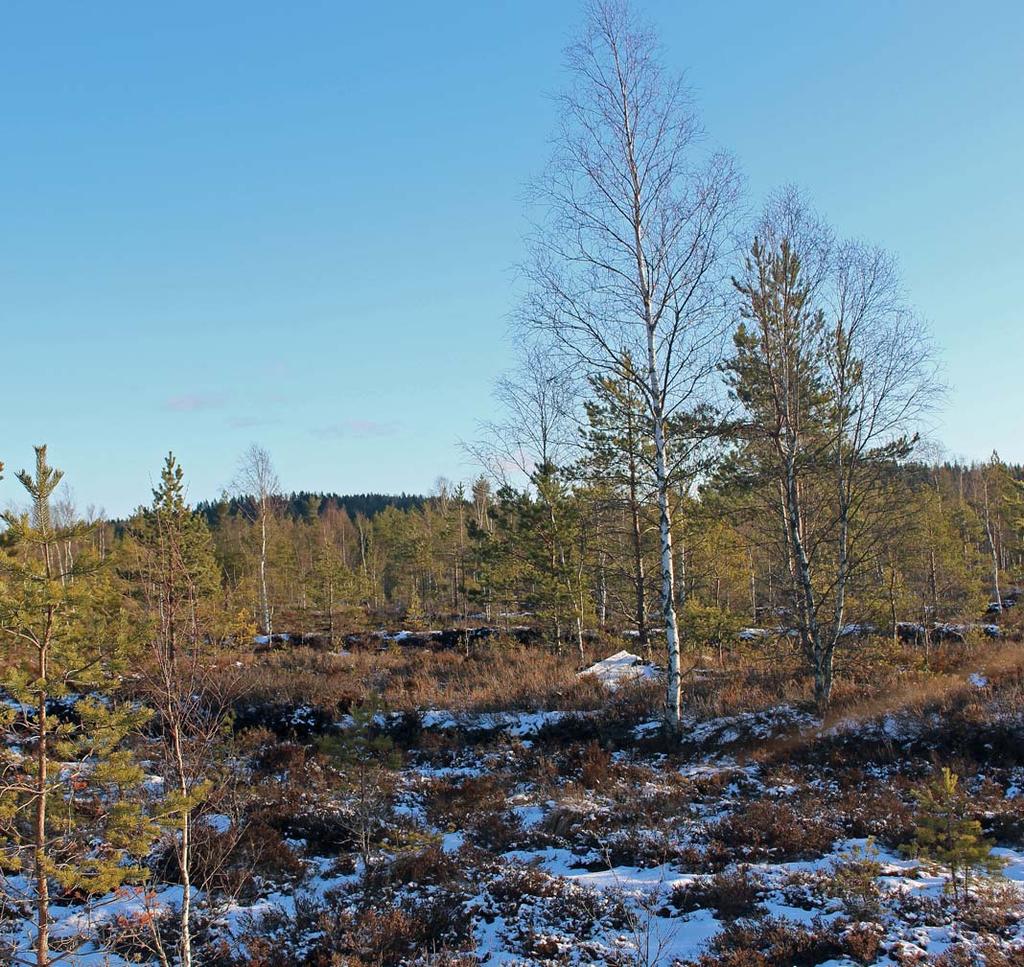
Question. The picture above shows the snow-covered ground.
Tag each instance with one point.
(564, 837)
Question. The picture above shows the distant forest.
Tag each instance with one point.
(308, 505)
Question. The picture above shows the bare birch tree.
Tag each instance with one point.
(627, 261)
(535, 427)
(257, 479)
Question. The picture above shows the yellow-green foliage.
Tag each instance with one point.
(946, 835)
(66, 639)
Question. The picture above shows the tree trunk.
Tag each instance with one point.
(818, 654)
(673, 697)
(330, 612)
(639, 577)
(674, 684)
(185, 862)
(997, 594)
(892, 606)
(264, 598)
(933, 584)
(753, 591)
(42, 885)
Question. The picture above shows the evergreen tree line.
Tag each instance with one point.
(573, 549)
(305, 504)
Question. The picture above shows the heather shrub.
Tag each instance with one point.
(548, 905)
(731, 894)
(497, 830)
(771, 830)
(452, 804)
(595, 766)
(873, 810)
(775, 942)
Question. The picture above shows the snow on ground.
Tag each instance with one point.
(584, 870)
(686, 937)
(514, 724)
(620, 668)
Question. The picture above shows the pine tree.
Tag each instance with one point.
(831, 372)
(619, 458)
(331, 583)
(500, 554)
(947, 835)
(558, 518)
(146, 551)
(180, 580)
(77, 826)
(534, 555)
(366, 760)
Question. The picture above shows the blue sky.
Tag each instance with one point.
(297, 224)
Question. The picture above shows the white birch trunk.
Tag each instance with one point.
(264, 598)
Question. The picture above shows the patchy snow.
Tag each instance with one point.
(217, 822)
(764, 724)
(514, 724)
(620, 668)
(1014, 860)
(670, 801)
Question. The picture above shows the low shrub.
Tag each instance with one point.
(731, 894)
(497, 831)
(772, 830)
(595, 766)
(452, 804)
(853, 880)
(776, 942)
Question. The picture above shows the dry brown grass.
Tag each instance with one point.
(949, 692)
(503, 675)
(494, 677)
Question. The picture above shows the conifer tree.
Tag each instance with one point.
(619, 456)
(559, 521)
(174, 551)
(500, 554)
(331, 582)
(831, 372)
(535, 554)
(366, 761)
(146, 557)
(948, 836)
(66, 639)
